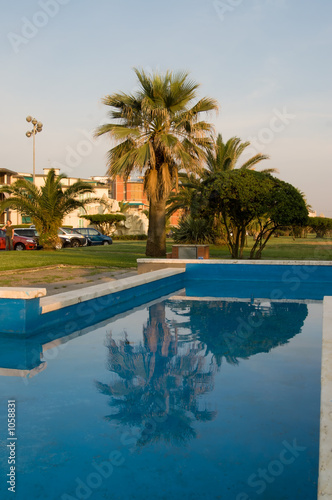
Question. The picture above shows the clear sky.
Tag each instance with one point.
(267, 62)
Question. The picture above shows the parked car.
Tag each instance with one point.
(19, 242)
(28, 232)
(31, 232)
(65, 242)
(76, 239)
(94, 236)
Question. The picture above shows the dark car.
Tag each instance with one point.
(30, 232)
(94, 236)
(19, 242)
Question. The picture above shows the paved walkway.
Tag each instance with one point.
(63, 279)
(78, 283)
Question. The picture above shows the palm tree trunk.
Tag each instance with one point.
(156, 244)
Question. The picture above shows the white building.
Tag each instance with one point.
(8, 177)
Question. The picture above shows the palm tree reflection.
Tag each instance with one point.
(157, 383)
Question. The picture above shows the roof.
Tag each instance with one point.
(7, 171)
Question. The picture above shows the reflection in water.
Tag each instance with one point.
(235, 330)
(20, 357)
(158, 382)
(160, 391)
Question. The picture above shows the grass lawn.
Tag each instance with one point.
(285, 248)
(123, 254)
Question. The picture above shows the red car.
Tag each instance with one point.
(19, 242)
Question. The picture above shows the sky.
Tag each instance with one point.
(266, 62)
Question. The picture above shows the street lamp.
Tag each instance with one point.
(37, 127)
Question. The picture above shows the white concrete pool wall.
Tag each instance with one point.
(27, 311)
(148, 265)
(67, 299)
(325, 440)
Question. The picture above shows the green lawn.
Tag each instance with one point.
(285, 248)
(123, 254)
(120, 254)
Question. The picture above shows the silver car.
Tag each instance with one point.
(76, 239)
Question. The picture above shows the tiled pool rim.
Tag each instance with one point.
(163, 275)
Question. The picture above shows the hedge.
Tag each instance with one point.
(130, 237)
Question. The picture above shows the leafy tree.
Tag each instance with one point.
(223, 157)
(320, 225)
(158, 132)
(104, 222)
(243, 196)
(47, 206)
(216, 324)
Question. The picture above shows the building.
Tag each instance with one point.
(113, 192)
(8, 177)
(130, 192)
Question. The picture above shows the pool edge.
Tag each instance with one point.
(325, 436)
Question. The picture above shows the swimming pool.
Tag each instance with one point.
(209, 392)
(181, 398)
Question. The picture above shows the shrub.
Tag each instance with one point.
(194, 231)
(130, 237)
(104, 222)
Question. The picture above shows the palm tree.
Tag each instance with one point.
(187, 198)
(158, 382)
(158, 132)
(48, 205)
(225, 156)
(222, 157)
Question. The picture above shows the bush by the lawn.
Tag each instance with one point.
(130, 237)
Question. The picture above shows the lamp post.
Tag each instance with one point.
(37, 127)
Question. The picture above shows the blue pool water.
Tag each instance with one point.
(178, 399)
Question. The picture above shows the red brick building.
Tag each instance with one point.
(132, 192)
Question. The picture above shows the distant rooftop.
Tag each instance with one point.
(7, 171)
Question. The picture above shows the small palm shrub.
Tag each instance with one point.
(194, 231)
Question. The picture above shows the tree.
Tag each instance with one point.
(243, 196)
(158, 382)
(187, 199)
(216, 324)
(320, 225)
(47, 206)
(158, 132)
(104, 222)
(224, 157)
